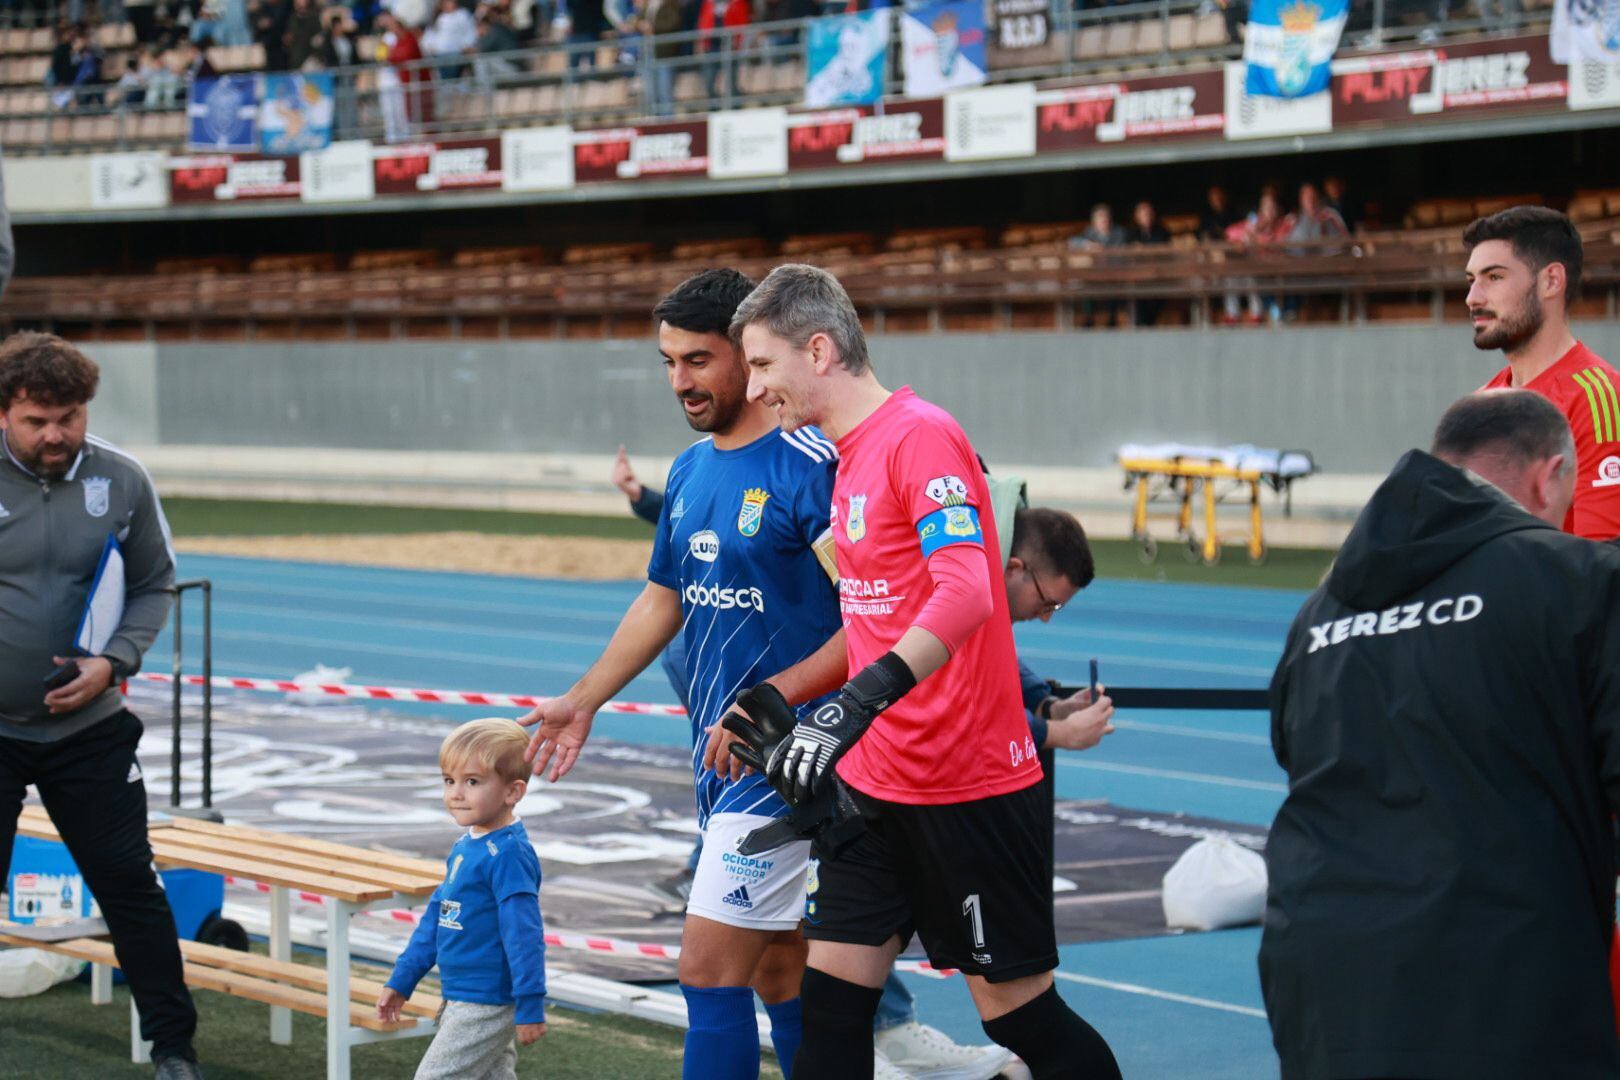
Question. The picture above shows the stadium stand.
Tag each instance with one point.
(539, 84)
(912, 279)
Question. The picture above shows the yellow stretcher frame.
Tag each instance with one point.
(1186, 477)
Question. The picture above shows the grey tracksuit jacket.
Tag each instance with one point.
(51, 539)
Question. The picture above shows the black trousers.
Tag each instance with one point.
(92, 788)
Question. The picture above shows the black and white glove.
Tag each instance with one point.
(796, 764)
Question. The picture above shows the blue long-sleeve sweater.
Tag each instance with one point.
(483, 928)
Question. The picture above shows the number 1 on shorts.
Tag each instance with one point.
(970, 908)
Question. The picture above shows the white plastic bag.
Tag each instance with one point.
(26, 972)
(1215, 883)
(321, 676)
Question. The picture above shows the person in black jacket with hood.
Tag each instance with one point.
(1447, 708)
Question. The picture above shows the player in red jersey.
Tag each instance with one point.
(929, 731)
(1524, 266)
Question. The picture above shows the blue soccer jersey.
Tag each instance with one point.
(736, 539)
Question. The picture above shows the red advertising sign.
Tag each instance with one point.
(411, 168)
(229, 177)
(1508, 73)
(650, 152)
(1165, 106)
(901, 131)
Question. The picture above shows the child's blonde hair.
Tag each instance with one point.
(495, 743)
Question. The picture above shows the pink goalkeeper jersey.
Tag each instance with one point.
(909, 484)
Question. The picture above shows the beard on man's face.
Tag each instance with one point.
(1511, 328)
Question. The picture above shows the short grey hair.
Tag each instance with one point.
(796, 302)
(1519, 426)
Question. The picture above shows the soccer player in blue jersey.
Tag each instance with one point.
(735, 571)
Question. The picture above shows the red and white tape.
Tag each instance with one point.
(585, 942)
(400, 693)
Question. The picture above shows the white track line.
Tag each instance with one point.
(1194, 733)
(1162, 995)
(1174, 774)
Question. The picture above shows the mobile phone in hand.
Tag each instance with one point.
(1093, 678)
(62, 675)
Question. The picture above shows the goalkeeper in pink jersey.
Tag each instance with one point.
(927, 738)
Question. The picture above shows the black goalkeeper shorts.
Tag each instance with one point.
(972, 880)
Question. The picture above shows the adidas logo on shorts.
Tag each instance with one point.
(738, 897)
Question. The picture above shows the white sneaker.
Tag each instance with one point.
(929, 1054)
(883, 1068)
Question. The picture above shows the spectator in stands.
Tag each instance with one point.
(77, 73)
(191, 58)
(338, 50)
(402, 86)
(1146, 228)
(713, 15)
(163, 85)
(1100, 233)
(454, 33)
(496, 36)
(586, 23)
(662, 18)
(1350, 210)
(1262, 230)
(268, 19)
(140, 14)
(1217, 217)
(131, 87)
(305, 34)
(1314, 221)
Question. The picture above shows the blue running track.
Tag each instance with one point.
(1173, 1007)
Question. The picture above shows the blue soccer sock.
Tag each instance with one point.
(722, 1035)
(787, 1029)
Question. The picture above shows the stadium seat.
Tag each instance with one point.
(955, 238)
(303, 262)
(475, 258)
(1090, 45)
(199, 264)
(788, 78)
(396, 259)
(39, 40)
(548, 100)
(689, 86)
(13, 40)
(1120, 38)
(1182, 33)
(1211, 31)
(848, 243)
(607, 254)
(742, 247)
(1152, 36)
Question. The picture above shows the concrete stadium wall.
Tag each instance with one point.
(1355, 397)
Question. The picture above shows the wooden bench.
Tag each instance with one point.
(346, 879)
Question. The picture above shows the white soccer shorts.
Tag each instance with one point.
(755, 892)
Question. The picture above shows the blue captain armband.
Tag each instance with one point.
(949, 525)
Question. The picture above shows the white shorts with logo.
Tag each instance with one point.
(756, 892)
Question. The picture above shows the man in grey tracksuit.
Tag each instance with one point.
(63, 494)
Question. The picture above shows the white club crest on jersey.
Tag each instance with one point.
(95, 495)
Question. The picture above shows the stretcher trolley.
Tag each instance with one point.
(1182, 471)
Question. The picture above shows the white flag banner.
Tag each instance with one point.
(104, 610)
(1585, 30)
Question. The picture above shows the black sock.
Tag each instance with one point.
(1053, 1041)
(838, 1019)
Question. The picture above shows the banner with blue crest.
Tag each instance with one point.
(224, 113)
(1289, 45)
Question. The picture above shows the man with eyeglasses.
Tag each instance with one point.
(1050, 563)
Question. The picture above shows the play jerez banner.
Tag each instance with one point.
(1425, 84)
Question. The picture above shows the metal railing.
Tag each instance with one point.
(595, 83)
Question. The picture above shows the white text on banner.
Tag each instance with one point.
(537, 159)
(748, 142)
(993, 122)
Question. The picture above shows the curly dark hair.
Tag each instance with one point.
(1539, 236)
(47, 369)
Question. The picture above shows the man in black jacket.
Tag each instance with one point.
(1448, 711)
